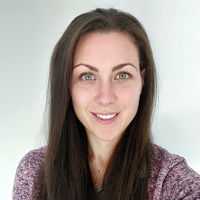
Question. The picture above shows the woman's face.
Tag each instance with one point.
(106, 83)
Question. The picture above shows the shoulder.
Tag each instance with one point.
(171, 177)
(27, 172)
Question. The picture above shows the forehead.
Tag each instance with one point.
(113, 47)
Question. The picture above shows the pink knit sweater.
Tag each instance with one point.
(170, 177)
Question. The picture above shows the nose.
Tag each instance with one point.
(105, 94)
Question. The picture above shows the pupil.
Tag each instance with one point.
(122, 76)
(88, 77)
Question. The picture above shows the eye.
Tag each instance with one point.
(123, 75)
(87, 77)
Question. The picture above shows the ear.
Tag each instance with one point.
(142, 76)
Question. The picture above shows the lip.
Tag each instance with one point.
(106, 121)
(105, 113)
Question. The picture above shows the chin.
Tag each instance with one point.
(109, 137)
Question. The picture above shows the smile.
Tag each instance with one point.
(106, 116)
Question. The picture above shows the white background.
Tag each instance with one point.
(29, 29)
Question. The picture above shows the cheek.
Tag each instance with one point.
(75, 98)
(130, 98)
(130, 93)
(80, 97)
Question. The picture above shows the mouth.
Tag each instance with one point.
(106, 116)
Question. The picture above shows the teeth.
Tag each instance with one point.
(106, 116)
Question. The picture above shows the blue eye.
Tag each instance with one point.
(123, 75)
(87, 77)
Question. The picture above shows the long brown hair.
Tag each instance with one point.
(65, 172)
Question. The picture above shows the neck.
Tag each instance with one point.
(100, 151)
(99, 156)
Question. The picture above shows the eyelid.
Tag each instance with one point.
(85, 73)
(80, 77)
(124, 72)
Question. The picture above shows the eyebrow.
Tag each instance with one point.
(115, 68)
(88, 66)
(123, 65)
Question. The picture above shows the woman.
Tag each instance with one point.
(102, 88)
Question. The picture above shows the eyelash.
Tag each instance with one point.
(124, 72)
(85, 73)
(89, 73)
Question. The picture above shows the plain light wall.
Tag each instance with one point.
(30, 30)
